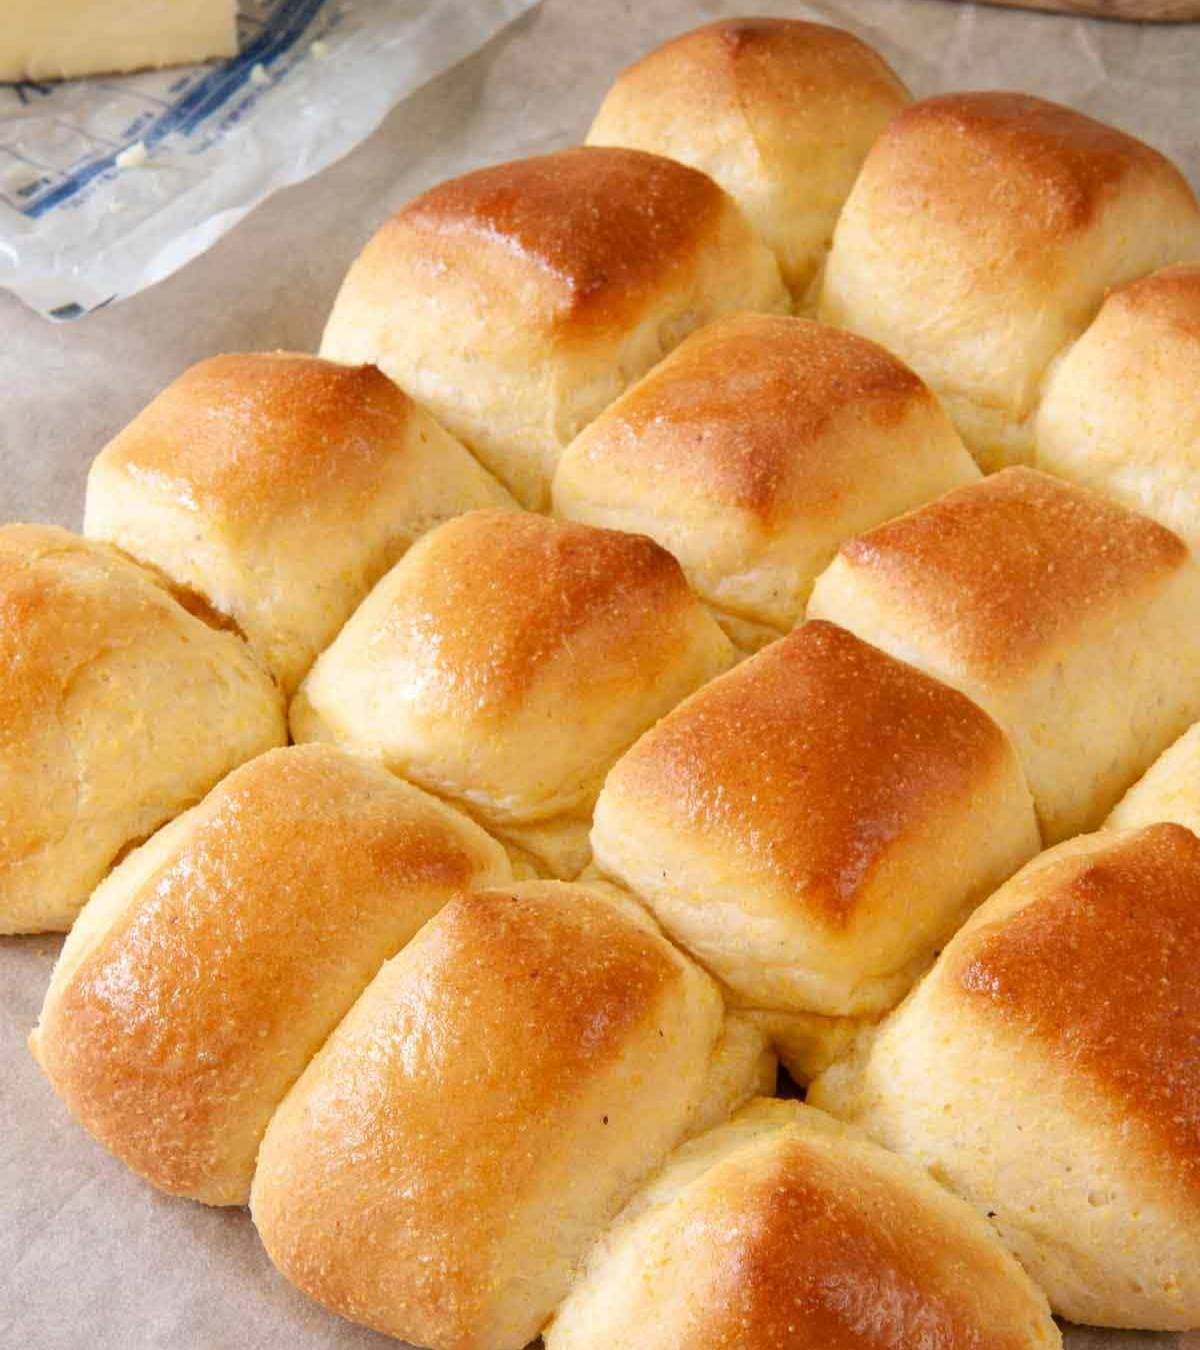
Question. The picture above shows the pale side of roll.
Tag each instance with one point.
(784, 1228)
(1121, 409)
(753, 450)
(770, 90)
(442, 1167)
(982, 236)
(506, 662)
(280, 488)
(1169, 789)
(1048, 1070)
(518, 301)
(210, 966)
(118, 710)
(1069, 618)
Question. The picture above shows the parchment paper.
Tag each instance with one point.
(89, 1256)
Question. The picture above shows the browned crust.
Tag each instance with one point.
(604, 226)
(244, 435)
(811, 761)
(297, 862)
(1009, 567)
(1169, 298)
(496, 598)
(735, 407)
(805, 1248)
(780, 59)
(1101, 969)
(956, 157)
(389, 1194)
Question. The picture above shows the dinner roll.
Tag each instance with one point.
(980, 239)
(118, 709)
(1048, 1070)
(518, 301)
(784, 1229)
(1170, 789)
(485, 1109)
(280, 488)
(790, 110)
(814, 824)
(209, 967)
(1070, 619)
(753, 450)
(507, 662)
(1121, 410)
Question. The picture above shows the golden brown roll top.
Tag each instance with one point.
(1070, 619)
(1168, 791)
(980, 240)
(442, 1167)
(785, 1229)
(790, 110)
(518, 301)
(280, 488)
(813, 825)
(1121, 410)
(1048, 1069)
(213, 962)
(118, 709)
(506, 662)
(753, 450)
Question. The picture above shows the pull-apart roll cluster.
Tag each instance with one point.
(770, 727)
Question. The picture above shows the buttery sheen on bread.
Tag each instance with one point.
(506, 662)
(1070, 619)
(209, 967)
(781, 113)
(1121, 409)
(753, 450)
(280, 488)
(118, 710)
(813, 825)
(493, 1099)
(1047, 1070)
(784, 1228)
(980, 239)
(518, 301)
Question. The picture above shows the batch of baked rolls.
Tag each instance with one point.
(728, 590)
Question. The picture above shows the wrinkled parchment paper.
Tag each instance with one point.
(90, 1258)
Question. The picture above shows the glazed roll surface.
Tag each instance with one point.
(1069, 618)
(506, 662)
(209, 967)
(280, 488)
(118, 710)
(518, 301)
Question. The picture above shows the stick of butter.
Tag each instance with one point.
(58, 39)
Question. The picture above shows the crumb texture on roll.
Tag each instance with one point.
(210, 966)
(1069, 618)
(1071, 996)
(753, 450)
(783, 1228)
(980, 239)
(507, 662)
(770, 90)
(813, 825)
(1121, 410)
(518, 301)
(495, 1097)
(118, 710)
(280, 488)
(1169, 790)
